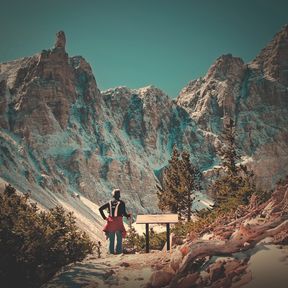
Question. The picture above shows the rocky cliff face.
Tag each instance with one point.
(60, 135)
(255, 95)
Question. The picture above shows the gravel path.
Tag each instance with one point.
(112, 271)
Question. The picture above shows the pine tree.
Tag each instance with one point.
(237, 184)
(169, 195)
(180, 180)
(229, 152)
(133, 239)
(190, 178)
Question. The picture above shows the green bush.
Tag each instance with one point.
(133, 241)
(157, 240)
(137, 243)
(232, 190)
(205, 219)
(35, 244)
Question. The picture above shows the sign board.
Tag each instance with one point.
(157, 219)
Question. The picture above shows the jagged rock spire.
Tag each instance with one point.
(60, 40)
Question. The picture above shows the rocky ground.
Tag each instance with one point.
(267, 267)
(132, 271)
(246, 250)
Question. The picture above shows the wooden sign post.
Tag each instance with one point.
(157, 219)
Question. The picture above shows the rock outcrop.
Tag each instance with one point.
(272, 62)
(267, 220)
(60, 40)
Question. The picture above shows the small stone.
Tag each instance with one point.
(139, 279)
(109, 274)
(124, 264)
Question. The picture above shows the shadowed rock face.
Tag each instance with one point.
(60, 134)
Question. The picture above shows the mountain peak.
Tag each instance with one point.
(60, 40)
(279, 42)
(283, 33)
(225, 66)
(273, 59)
(150, 91)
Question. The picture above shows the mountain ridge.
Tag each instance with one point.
(61, 135)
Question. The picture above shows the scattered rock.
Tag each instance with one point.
(231, 267)
(176, 240)
(176, 260)
(129, 251)
(216, 271)
(188, 281)
(157, 266)
(109, 274)
(184, 250)
(167, 260)
(160, 279)
(205, 277)
(245, 279)
(124, 264)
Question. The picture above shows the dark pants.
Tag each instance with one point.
(111, 237)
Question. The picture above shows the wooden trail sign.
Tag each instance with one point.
(157, 219)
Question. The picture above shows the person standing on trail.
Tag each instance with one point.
(114, 225)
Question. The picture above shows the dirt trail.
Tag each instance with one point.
(112, 271)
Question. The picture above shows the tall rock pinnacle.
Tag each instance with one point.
(60, 40)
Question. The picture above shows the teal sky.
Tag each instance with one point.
(136, 43)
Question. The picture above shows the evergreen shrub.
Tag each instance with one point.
(35, 244)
